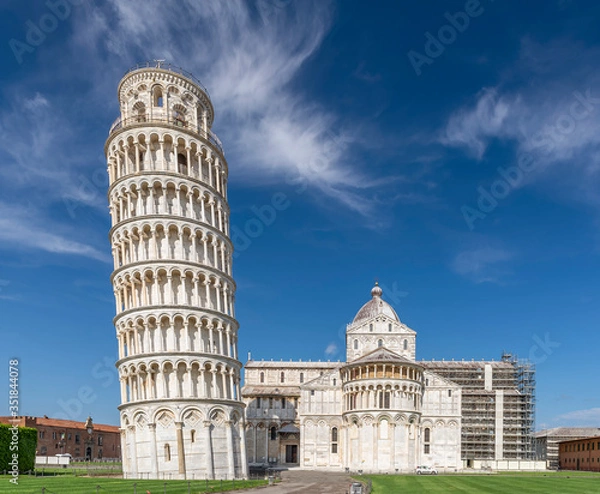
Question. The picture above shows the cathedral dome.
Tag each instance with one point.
(375, 307)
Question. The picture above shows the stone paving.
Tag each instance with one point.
(308, 482)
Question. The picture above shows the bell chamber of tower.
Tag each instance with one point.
(181, 410)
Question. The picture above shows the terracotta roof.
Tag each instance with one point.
(597, 436)
(67, 424)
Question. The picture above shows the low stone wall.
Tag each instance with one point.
(52, 460)
(509, 465)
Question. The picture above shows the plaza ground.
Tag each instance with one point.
(309, 482)
(496, 483)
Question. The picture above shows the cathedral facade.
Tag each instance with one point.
(384, 411)
(380, 410)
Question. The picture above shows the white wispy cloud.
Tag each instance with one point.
(20, 230)
(579, 418)
(547, 105)
(482, 264)
(331, 349)
(473, 127)
(250, 56)
(41, 155)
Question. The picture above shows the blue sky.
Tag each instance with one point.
(450, 150)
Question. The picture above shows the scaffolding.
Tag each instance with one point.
(498, 406)
(525, 382)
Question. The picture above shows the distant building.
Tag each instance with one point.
(580, 454)
(57, 436)
(546, 442)
(383, 411)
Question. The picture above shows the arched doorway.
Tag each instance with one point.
(88, 453)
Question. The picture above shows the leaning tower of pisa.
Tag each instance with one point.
(181, 409)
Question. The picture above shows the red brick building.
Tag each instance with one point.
(580, 454)
(56, 436)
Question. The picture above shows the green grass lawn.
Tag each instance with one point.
(520, 483)
(87, 485)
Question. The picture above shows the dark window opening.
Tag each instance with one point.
(182, 163)
(158, 97)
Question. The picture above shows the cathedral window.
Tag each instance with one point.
(273, 433)
(449, 392)
(302, 377)
(390, 328)
(405, 344)
(334, 440)
(356, 344)
(427, 441)
(282, 402)
(167, 452)
(371, 327)
(258, 402)
(379, 343)
(193, 436)
(262, 377)
(334, 382)
(283, 377)
(270, 403)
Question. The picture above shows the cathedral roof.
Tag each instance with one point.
(375, 307)
(381, 354)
